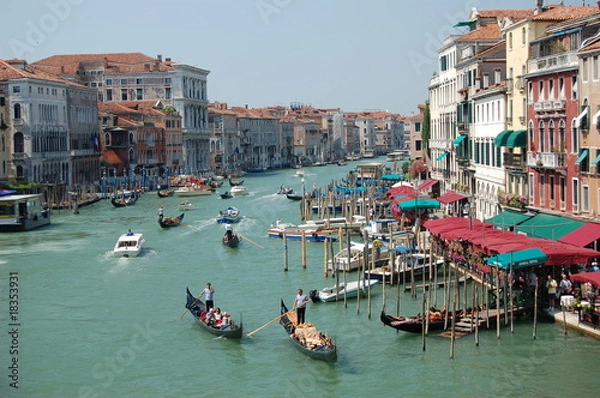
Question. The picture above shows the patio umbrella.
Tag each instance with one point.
(419, 204)
(518, 259)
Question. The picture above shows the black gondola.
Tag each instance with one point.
(226, 329)
(122, 202)
(235, 183)
(226, 195)
(410, 324)
(230, 239)
(306, 338)
(165, 193)
(293, 196)
(169, 222)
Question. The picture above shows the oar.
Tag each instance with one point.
(254, 243)
(187, 309)
(268, 323)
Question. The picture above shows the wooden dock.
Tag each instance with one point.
(485, 320)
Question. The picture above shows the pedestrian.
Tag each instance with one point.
(209, 292)
(565, 287)
(377, 244)
(551, 286)
(160, 212)
(300, 304)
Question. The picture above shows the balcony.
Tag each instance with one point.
(546, 160)
(514, 160)
(552, 62)
(462, 127)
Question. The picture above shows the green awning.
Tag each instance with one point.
(597, 160)
(463, 23)
(547, 226)
(508, 219)
(442, 156)
(582, 156)
(459, 139)
(518, 259)
(517, 139)
(502, 137)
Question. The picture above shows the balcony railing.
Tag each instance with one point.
(547, 160)
(551, 62)
(514, 160)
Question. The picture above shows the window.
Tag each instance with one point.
(585, 198)
(123, 81)
(109, 82)
(551, 95)
(109, 95)
(17, 111)
(563, 192)
(417, 126)
(124, 95)
(551, 187)
(561, 88)
(510, 41)
(542, 189)
(575, 138)
(168, 93)
(575, 192)
(585, 69)
(551, 136)
(595, 68)
(139, 81)
(139, 93)
(16, 89)
(523, 36)
(530, 91)
(541, 96)
(574, 87)
(167, 80)
(497, 76)
(542, 140)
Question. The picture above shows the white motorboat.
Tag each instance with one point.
(129, 245)
(186, 206)
(300, 173)
(344, 262)
(348, 290)
(191, 191)
(406, 265)
(238, 190)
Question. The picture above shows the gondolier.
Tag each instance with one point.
(209, 293)
(160, 212)
(300, 304)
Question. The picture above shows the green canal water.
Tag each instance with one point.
(86, 324)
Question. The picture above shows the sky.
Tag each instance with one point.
(348, 54)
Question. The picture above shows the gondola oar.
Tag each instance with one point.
(270, 322)
(191, 305)
(254, 243)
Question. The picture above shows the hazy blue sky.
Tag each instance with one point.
(351, 54)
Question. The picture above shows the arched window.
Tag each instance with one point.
(17, 111)
(551, 136)
(18, 142)
(575, 137)
(542, 136)
(532, 146)
(107, 139)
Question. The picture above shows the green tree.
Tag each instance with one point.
(426, 129)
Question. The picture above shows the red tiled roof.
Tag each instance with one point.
(515, 15)
(119, 62)
(8, 71)
(486, 32)
(558, 13)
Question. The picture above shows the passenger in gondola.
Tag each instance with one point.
(218, 317)
(210, 317)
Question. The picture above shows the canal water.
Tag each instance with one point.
(86, 324)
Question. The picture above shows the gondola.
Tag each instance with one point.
(169, 222)
(414, 324)
(197, 307)
(215, 183)
(165, 193)
(122, 202)
(231, 240)
(306, 338)
(235, 183)
(293, 196)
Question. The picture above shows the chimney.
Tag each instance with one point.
(246, 106)
(168, 61)
(538, 6)
(159, 58)
(146, 67)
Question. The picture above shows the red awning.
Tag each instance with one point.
(591, 277)
(582, 236)
(450, 197)
(427, 184)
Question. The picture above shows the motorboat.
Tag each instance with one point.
(192, 191)
(346, 263)
(185, 206)
(341, 290)
(406, 266)
(129, 245)
(300, 173)
(231, 215)
(238, 190)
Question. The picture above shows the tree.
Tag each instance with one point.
(426, 129)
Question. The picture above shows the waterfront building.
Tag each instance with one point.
(411, 137)
(124, 77)
(589, 83)
(49, 128)
(557, 118)
(225, 155)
